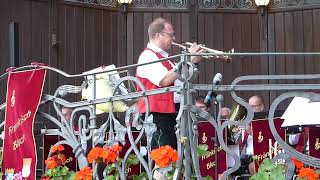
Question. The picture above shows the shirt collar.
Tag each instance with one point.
(157, 49)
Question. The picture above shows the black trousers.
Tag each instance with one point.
(165, 133)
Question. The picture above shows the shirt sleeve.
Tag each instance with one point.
(153, 72)
(294, 139)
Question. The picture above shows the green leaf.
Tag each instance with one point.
(110, 168)
(119, 160)
(111, 177)
(277, 173)
(207, 178)
(266, 165)
(71, 175)
(140, 177)
(64, 170)
(169, 176)
(132, 160)
(58, 171)
(269, 171)
(202, 149)
(1, 158)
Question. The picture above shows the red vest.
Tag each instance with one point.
(161, 103)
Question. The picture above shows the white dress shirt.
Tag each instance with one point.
(153, 72)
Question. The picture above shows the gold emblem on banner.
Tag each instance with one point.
(317, 144)
(204, 138)
(13, 98)
(9, 170)
(260, 137)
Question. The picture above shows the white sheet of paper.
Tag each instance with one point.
(301, 112)
(113, 76)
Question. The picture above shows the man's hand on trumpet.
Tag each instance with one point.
(196, 48)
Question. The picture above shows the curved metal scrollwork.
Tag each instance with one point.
(209, 3)
(203, 4)
(111, 3)
(117, 126)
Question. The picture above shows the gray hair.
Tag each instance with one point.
(156, 26)
(260, 98)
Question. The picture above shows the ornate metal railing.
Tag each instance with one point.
(186, 129)
(203, 4)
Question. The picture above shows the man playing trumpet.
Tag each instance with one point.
(161, 74)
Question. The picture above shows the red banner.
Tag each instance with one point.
(314, 141)
(263, 138)
(24, 91)
(207, 162)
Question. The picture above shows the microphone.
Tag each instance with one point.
(216, 80)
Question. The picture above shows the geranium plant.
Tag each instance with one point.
(166, 156)
(305, 173)
(269, 171)
(108, 156)
(84, 174)
(56, 165)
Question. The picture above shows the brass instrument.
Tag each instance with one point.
(238, 113)
(206, 50)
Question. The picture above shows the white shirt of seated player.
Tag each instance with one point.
(235, 149)
(294, 140)
(249, 146)
(248, 149)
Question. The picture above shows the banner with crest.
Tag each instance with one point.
(207, 162)
(314, 141)
(264, 143)
(24, 90)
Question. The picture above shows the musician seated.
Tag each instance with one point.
(300, 140)
(257, 104)
(199, 102)
(225, 112)
(246, 145)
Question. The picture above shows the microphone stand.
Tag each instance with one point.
(216, 112)
(217, 102)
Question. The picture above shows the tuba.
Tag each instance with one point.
(238, 113)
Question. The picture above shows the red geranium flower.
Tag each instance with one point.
(164, 155)
(84, 174)
(297, 163)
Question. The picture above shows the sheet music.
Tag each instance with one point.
(301, 112)
(112, 76)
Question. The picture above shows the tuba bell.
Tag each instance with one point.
(238, 113)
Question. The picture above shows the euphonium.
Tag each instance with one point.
(238, 113)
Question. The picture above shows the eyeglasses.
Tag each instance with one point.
(255, 106)
(173, 34)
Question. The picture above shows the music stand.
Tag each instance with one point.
(300, 114)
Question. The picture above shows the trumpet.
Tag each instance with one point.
(206, 50)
